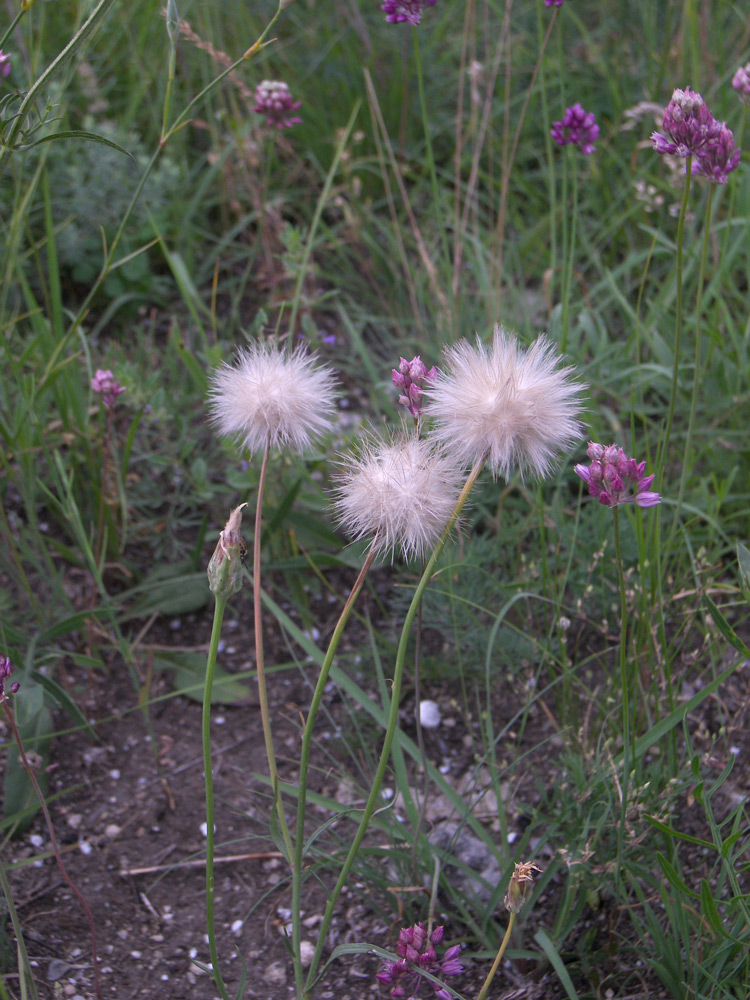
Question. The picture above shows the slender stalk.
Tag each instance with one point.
(307, 734)
(219, 607)
(430, 154)
(697, 367)
(391, 724)
(55, 846)
(625, 684)
(265, 715)
(678, 322)
(570, 255)
(24, 966)
(498, 958)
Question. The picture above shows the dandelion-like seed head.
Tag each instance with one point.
(272, 396)
(516, 407)
(400, 492)
(520, 885)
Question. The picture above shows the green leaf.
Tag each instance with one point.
(189, 670)
(63, 699)
(34, 723)
(657, 824)
(725, 628)
(743, 557)
(79, 134)
(545, 943)
(168, 591)
(671, 875)
(711, 914)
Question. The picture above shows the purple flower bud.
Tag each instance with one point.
(6, 669)
(613, 478)
(106, 385)
(272, 99)
(408, 378)
(718, 158)
(418, 955)
(410, 11)
(688, 124)
(577, 128)
(4, 63)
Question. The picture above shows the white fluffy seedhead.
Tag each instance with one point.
(518, 407)
(399, 492)
(272, 395)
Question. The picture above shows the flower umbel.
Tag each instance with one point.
(613, 478)
(410, 11)
(4, 63)
(553, 3)
(400, 492)
(741, 83)
(520, 884)
(275, 102)
(409, 379)
(272, 397)
(6, 669)
(688, 125)
(417, 955)
(106, 385)
(577, 128)
(516, 407)
(718, 158)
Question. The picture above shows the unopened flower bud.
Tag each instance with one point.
(225, 567)
(520, 885)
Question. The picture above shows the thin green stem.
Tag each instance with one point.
(625, 685)
(11, 27)
(25, 973)
(430, 154)
(678, 323)
(686, 464)
(304, 761)
(498, 958)
(265, 714)
(570, 255)
(374, 796)
(219, 607)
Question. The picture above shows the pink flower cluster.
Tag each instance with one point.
(553, 3)
(274, 100)
(106, 385)
(397, 11)
(741, 83)
(577, 128)
(691, 130)
(417, 953)
(409, 379)
(613, 478)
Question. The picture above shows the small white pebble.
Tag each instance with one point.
(175, 624)
(237, 926)
(135, 954)
(512, 837)
(85, 847)
(306, 952)
(219, 720)
(36, 840)
(114, 774)
(429, 714)
(204, 829)
(193, 952)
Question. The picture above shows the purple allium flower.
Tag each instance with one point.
(553, 3)
(4, 63)
(718, 158)
(613, 478)
(408, 379)
(6, 669)
(417, 954)
(410, 11)
(688, 124)
(577, 128)
(741, 83)
(107, 386)
(275, 102)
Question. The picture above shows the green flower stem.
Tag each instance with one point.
(304, 761)
(385, 753)
(661, 463)
(498, 958)
(53, 841)
(428, 149)
(570, 254)
(265, 715)
(625, 684)
(697, 369)
(219, 607)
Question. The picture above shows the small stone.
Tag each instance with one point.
(429, 714)
(306, 952)
(111, 831)
(275, 973)
(74, 820)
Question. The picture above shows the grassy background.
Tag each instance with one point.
(335, 228)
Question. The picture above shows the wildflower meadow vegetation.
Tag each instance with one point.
(374, 499)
